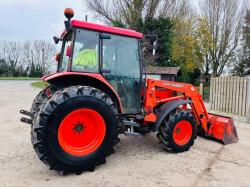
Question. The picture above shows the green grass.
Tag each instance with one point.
(39, 84)
(18, 78)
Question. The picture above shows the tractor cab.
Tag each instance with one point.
(111, 52)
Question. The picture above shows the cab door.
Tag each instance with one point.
(121, 67)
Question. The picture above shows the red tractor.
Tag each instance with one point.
(100, 91)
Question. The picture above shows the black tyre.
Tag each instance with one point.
(40, 98)
(75, 129)
(178, 131)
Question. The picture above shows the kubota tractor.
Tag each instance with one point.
(99, 92)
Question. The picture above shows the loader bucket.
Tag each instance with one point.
(222, 128)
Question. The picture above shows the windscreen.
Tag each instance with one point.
(85, 56)
(64, 60)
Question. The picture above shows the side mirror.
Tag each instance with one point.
(68, 51)
(57, 58)
(155, 46)
(56, 39)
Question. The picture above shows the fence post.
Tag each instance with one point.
(211, 96)
(201, 88)
(248, 101)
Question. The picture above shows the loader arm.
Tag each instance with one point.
(218, 127)
(189, 92)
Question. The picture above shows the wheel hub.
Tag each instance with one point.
(182, 132)
(79, 127)
(81, 132)
(178, 131)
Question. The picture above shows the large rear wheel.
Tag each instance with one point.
(75, 129)
(178, 131)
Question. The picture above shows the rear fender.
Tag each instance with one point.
(167, 108)
(66, 79)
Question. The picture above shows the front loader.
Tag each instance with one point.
(99, 91)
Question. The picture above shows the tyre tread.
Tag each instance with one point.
(38, 138)
(165, 131)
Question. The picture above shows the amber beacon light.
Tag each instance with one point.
(69, 13)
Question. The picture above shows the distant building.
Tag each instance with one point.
(163, 73)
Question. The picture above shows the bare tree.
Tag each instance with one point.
(27, 50)
(224, 20)
(17, 58)
(12, 54)
(241, 67)
(43, 55)
(105, 10)
(175, 8)
(132, 12)
(3, 49)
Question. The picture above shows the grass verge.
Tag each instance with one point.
(39, 84)
(18, 78)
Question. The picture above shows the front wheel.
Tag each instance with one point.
(178, 131)
(75, 129)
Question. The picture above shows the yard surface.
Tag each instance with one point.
(136, 162)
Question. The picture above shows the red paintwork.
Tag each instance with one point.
(93, 75)
(182, 132)
(163, 93)
(108, 29)
(57, 57)
(45, 76)
(81, 132)
(168, 99)
(48, 91)
(222, 128)
(68, 51)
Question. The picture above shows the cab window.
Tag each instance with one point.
(85, 55)
(121, 58)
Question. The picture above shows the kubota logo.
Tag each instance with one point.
(174, 85)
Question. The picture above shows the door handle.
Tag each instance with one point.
(105, 70)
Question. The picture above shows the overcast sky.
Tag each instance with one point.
(37, 19)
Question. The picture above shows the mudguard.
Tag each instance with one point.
(63, 79)
(165, 109)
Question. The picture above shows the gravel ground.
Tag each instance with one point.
(136, 162)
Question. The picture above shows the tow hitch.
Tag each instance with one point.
(27, 120)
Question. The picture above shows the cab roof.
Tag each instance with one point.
(107, 29)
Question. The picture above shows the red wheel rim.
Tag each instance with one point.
(182, 132)
(81, 132)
